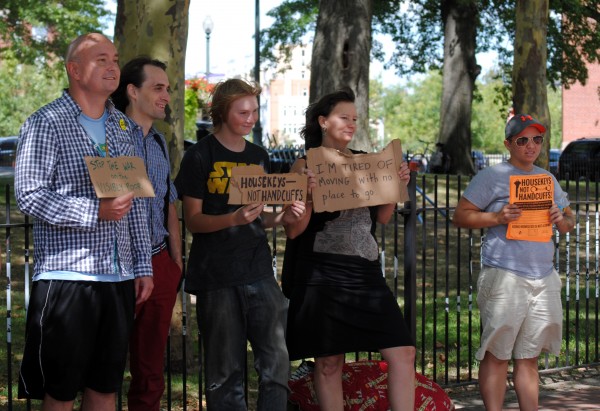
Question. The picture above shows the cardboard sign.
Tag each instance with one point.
(351, 181)
(250, 185)
(115, 176)
(534, 195)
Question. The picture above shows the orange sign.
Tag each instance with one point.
(534, 195)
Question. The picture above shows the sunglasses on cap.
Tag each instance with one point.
(522, 141)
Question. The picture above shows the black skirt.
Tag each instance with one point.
(326, 320)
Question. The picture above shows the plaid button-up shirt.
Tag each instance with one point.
(53, 185)
(158, 166)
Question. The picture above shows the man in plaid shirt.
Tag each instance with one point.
(143, 94)
(91, 256)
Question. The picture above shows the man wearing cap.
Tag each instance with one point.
(519, 291)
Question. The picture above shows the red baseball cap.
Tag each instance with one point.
(520, 122)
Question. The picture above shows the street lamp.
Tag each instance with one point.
(208, 26)
(257, 131)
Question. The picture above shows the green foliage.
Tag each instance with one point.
(573, 38)
(293, 20)
(490, 111)
(489, 116)
(25, 88)
(376, 95)
(411, 113)
(34, 36)
(197, 102)
(555, 106)
(55, 24)
(191, 114)
(376, 112)
(417, 30)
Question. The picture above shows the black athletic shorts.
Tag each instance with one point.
(77, 337)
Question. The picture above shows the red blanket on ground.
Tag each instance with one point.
(365, 389)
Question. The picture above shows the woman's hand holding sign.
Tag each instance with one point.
(312, 183)
(294, 212)
(404, 173)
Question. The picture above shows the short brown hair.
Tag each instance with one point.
(225, 93)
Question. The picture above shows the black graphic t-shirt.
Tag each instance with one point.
(235, 255)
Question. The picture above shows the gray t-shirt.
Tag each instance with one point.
(489, 191)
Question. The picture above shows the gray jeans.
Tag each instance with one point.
(227, 319)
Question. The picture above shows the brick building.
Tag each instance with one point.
(288, 98)
(581, 108)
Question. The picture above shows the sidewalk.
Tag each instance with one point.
(576, 389)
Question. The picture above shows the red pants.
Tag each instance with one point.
(149, 336)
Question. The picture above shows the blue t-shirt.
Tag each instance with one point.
(96, 131)
(489, 191)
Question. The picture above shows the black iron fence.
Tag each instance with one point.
(282, 157)
(431, 266)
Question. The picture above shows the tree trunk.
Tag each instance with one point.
(341, 57)
(529, 80)
(460, 70)
(159, 29)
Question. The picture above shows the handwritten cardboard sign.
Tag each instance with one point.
(534, 195)
(351, 181)
(115, 176)
(250, 185)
